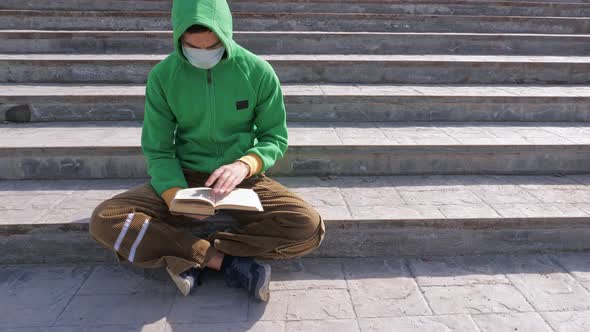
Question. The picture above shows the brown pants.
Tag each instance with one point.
(138, 227)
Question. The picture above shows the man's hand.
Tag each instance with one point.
(227, 177)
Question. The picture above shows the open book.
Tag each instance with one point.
(202, 200)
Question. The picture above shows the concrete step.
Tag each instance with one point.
(555, 1)
(301, 42)
(301, 68)
(85, 150)
(482, 8)
(47, 221)
(325, 102)
(257, 21)
(463, 7)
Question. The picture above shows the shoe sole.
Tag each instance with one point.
(183, 285)
(262, 293)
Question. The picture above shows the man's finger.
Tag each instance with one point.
(214, 176)
(223, 178)
(233, 184)
(226, 186)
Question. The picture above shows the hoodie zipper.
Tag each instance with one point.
(212, 110)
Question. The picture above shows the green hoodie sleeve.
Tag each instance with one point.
(270, 120)
(157, 139)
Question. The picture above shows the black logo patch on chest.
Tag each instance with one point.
(241, 104)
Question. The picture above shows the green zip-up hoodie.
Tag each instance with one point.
(202, 119)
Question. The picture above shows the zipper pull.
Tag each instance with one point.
(209, 76)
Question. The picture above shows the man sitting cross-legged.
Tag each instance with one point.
(214, 116)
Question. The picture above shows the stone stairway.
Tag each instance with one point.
(303, 21)
(423, 127)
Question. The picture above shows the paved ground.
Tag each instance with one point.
(470, 293)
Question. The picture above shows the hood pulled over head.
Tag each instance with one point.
(214, 14)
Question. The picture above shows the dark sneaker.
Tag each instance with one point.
(245, 272)
(185, 281)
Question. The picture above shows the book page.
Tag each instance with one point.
(198, 193)
(241, 197)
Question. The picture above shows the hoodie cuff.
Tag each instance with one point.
(168, 195)
(254, 162)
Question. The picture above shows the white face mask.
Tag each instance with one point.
(202, 58)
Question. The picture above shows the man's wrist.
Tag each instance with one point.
(253, 161)
(248, 168)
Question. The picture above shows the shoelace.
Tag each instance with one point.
(193, 272)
